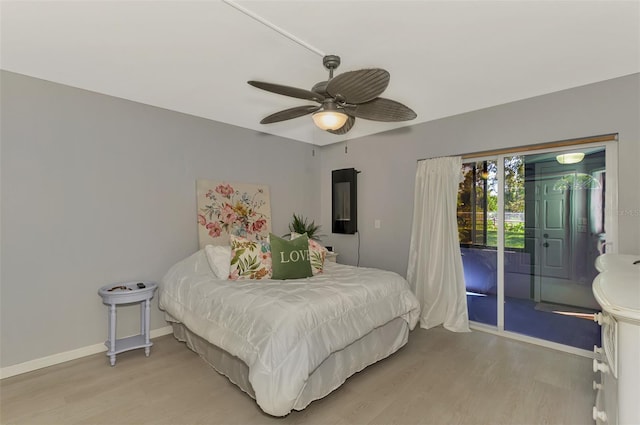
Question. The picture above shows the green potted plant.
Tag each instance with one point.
(300, 224)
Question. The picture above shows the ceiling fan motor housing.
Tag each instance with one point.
(331, 62)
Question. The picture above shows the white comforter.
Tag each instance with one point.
(284, 329)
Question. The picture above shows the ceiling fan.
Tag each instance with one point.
(342, 99)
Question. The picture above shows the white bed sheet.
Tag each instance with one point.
(283, 330)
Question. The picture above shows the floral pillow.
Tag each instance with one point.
(317, 254)
(250, 259)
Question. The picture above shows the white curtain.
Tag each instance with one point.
(435, 264)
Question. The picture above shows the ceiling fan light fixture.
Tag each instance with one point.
(570, 158)
(329, 120)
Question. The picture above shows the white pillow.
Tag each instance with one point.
(219, 259)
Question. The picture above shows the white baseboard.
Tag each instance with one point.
(55, 359)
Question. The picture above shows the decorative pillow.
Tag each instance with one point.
(249, 259)
(317, 254)
(219, 258)
(290, 259)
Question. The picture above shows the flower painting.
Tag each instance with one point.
(238, 209)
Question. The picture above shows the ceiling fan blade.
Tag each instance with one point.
(288, 91)
(346, 127)
(290, 113)
(381, 109)
(359, 86)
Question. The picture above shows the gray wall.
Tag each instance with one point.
(97, 190)
(388, 161)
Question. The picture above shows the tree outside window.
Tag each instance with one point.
(478, 204)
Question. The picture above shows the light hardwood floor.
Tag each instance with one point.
(440, 377)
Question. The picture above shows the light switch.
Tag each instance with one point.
(376, 224)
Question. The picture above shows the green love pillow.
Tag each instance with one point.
(290, 259)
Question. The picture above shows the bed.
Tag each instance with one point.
(287, 343)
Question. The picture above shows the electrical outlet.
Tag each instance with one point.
(376, 224)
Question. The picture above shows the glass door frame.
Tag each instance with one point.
(610, 220)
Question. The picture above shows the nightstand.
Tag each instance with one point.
(128, 293)
(331, 256)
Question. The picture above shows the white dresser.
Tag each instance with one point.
(617, 360)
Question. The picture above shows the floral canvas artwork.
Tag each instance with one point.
(239, 209)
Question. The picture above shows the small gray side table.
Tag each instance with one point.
(128, 293)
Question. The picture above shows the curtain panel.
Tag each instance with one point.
(435, 270)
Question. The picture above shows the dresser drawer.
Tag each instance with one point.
(610, 397)
(599, 413)
(609, 340)
(605, 410)
(605, 363)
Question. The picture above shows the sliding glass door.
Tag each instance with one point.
(477, 215)
(530, 227)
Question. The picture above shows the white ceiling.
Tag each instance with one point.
(195, 57)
